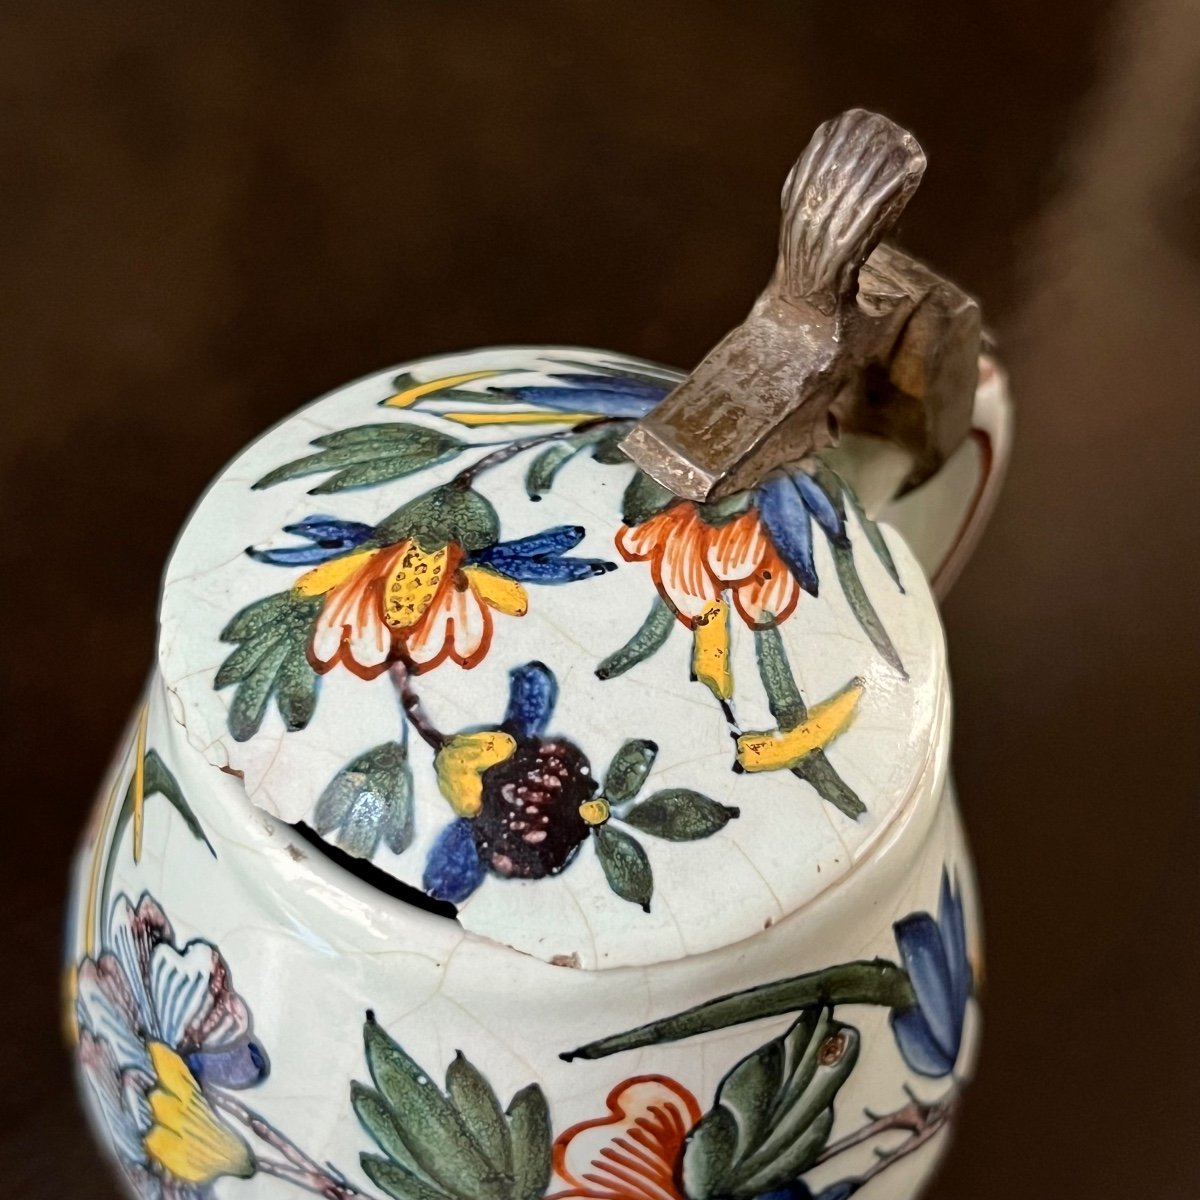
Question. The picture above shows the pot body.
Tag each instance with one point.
(251, 1019)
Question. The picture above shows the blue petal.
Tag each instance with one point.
(819, 504)
(605, 395)
(296, 556)
(329, 537)
(238, 1067)
(547, 570)
(796, 1190)
(786, 519)
(918, 1046)
(322, 528)
(954, 941)
(453, 870)
(924, 957)
(557, 540)
(532, 693)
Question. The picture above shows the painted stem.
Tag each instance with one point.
(916, 1118)
(865, 982)
(316, 1182)
(511, 449)
(414, 710)
(922, 1121)
(299, 1169)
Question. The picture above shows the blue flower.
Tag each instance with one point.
(934, 954)
(516, 792)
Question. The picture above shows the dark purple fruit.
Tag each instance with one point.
(529, 825)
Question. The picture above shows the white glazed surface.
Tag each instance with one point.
(310, 948)
(788, 845)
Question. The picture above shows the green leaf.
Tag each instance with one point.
(839, 492)
(439, 1141)
(397, 1181)
(789, 710)
(453, 513)
(820, 773)
(157, 780)
(369, 800)
(772, 1112)
(644, 498)
(529, 1125)
(472, 1095)
(271, 660)
(875, 981)
(679, 815)
(626, 866)
(783, 696)
(376, 1117)
(540, 476)
(721, 512)
(608, 448)
(864, 611)
(628, 770)
(653, 633)
(369, 454)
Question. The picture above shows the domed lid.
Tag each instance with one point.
(441, 619)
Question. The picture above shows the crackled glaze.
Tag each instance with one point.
(752, 917)
(859, 635)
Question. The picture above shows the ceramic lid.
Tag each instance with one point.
(437, 617)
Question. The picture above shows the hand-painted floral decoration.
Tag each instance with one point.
(433, 583)
(161, 1032)
(769, 1125)
(526, 801)
(934, 954)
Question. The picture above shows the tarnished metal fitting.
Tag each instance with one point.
(848, 336)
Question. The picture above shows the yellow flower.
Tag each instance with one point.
(187, 1139)
(405, 601)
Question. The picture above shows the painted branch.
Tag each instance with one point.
(875, 982)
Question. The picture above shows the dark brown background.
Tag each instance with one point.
(213, 212)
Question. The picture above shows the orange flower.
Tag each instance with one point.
(693, 564)
(632, 1153)
(405, 601)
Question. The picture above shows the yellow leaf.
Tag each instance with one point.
(409, 397)
(460, 765)
(328, 575)
(499, 591)
(774, 750)
(187, 1138)
(539, 416)
(710, 650)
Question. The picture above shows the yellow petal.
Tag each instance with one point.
(774, 750)
(499, 591)
(523, 416)
(187, 1138)
(328, 575)
(415, 580)
(710, 649)
(409, 397)
(460, 765)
